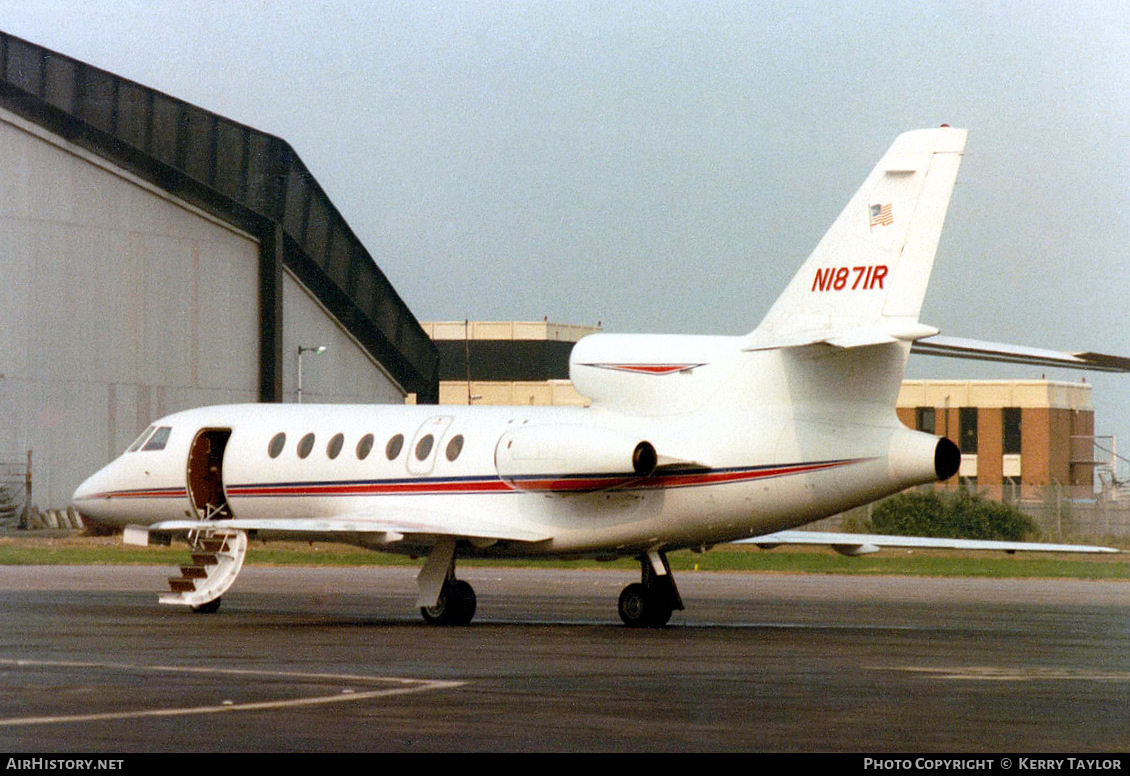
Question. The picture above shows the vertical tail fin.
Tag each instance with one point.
(865, 282)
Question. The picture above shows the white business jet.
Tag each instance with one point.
(690, 441)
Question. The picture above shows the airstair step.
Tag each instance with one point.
(217, 557)
(181, 585)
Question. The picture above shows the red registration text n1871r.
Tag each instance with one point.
(850, 278)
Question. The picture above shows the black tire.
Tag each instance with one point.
(210, 607)
(644, 607)
(456, 605)
(465, 594)
(634, 605)
(438, 614)
(658, 612)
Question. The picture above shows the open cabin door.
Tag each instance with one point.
(206, 474)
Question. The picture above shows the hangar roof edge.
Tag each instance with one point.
(248, 177)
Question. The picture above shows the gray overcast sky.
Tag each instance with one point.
(666, 166)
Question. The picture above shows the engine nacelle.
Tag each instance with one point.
(916, 457)
(571, 459)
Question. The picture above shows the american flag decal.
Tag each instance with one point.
(881, 215)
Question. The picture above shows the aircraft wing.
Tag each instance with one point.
(376, 526)
(863, 544)
(958, 347)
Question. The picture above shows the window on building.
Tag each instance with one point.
(1011, 424)
(925, 419)
(967, 416)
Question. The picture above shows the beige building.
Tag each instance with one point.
(1016, 436)
(506, 362)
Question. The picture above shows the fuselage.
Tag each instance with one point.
(717, 474)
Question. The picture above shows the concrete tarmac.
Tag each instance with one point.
(331, 660)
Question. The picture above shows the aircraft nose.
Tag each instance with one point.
(87, 490)
(90, 497)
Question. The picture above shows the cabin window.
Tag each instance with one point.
(137, 443)
(305, 445)
(364, 447)
(424, 447)
(158, 440)
(454, 447)
(395, 445)
(278, 442)
(334, 447)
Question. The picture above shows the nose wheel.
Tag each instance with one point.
(650, 602)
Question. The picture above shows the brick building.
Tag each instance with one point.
(1016, 436)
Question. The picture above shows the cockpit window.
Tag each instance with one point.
(158, 440)
(140, 440)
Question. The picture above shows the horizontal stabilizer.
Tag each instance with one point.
(847, 338)
(861, 544)
(956, 347)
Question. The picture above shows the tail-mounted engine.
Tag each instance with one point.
(571, 459)
(915, 458)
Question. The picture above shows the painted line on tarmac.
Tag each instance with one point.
(400, 686)
(1011, 674)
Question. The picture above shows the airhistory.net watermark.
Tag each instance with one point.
(61, 764)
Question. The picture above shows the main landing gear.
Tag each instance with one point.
(456, 605)
(444, 600)
(649, 602)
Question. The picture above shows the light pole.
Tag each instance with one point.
(317, 350)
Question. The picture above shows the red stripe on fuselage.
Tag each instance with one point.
(647, 369)
(555, 483)
(472, 485)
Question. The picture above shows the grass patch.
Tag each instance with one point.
(79, 550)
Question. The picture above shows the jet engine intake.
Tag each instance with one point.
(572, 459)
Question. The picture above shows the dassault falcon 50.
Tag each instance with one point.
(690, 441)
